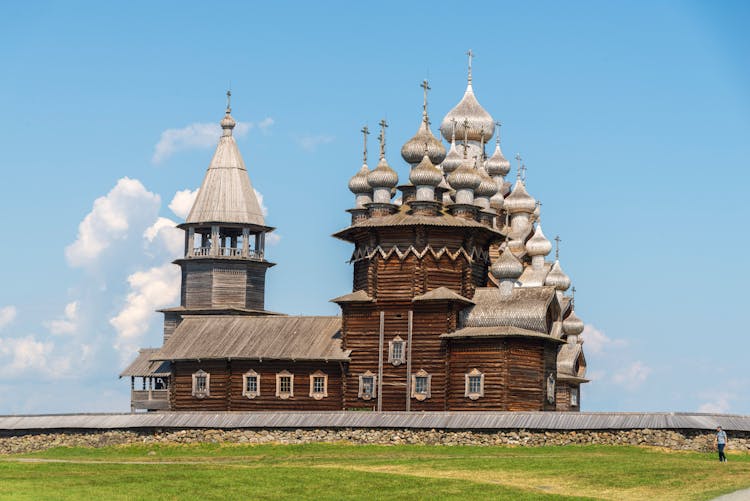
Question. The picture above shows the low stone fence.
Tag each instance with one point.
(14, 442)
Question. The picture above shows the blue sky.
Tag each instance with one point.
(633, 119)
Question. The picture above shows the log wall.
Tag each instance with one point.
(213, 283)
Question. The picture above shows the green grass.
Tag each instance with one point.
(341, 471)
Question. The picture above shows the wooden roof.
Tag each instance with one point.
(442, 294)
(226, 194)
(499, 331)
(526, 308)
(142, 366)
(253, 338)
(397, 420)
(359, 296)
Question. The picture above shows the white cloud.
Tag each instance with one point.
(199, 136)
(154, 288)
(273, 238)
(68, 323)
(164, 231)
(7, 315)
(311, 142)
(110, 219)
(632, 376)
(259, 196)
(718, 405)
(595, 341)
(28, 354)
(182, 202)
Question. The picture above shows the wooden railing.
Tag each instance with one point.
(227, 252)
(150, 399)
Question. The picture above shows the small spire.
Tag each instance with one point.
(229, 101)
(470, 53)
(365, 132)
(383, 124)
(557, 247)
(426, 86)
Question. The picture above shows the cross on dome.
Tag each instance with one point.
(365, 132)
(383, 124)
(470, 53)
(557, 247)
(426, 86)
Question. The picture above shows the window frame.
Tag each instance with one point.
(317, 395)
(551, 384)
(473, 395)
(245, 391)
(392, 359)
(284, 394)
(361, 393)
(206, 392)
(574, 397)
(421, 395)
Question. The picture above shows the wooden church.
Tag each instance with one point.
(454, 305)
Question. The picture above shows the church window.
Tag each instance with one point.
(420, 385)
(318, 385)
(574, 397)
(251, 384)
(284, 385)
(367, 382)
(474, 384)
(396, 351)
(201, 384)
(551, 388)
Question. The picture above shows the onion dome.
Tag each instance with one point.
(557, 277)
(453, 159)
(425, 173)
(497, 201)
(572, 325)
(464, 178)
(538, 245)
(487, 186)
(358, 183)
(382, 176)
(413, 150)
(507, 266)
(519, 200)
(497, 164)
(481, 125)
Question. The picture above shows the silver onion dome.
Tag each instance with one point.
(481, 125)
(425, 173)
(464, 178)
(382, 176)
(538, 245)
(557, 278)
(228, 123)
(413, 150)
(497, 164)
(519, 200)
(507, 266)
(358, 183)
(487, 186)
(453, 159)
(572, 325)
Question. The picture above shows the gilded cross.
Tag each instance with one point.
(365, 132)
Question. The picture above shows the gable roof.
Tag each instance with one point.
(142, 366)
(442, 294)
(253, 338)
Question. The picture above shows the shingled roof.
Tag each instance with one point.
(142, 366)
(495, 332)
(253, 338)
(525, 308)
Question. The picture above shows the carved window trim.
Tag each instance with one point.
(373, 390)
(394, 358)
(427, 390)
(246, 392)
(468, 393)
(574, 397)
(317, 395)
(551, 388)
(201, 384)
(280, 376)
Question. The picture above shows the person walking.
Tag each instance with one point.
(720, 440)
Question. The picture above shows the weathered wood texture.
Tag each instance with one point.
(216, 283)
(226, 386)
(514, 374)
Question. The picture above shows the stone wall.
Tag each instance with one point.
(695, 440)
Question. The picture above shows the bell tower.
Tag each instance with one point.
(224, 265)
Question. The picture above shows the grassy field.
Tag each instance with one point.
(327, 471)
